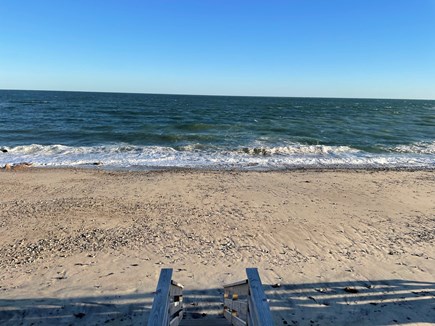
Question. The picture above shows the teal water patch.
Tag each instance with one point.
(73, 128)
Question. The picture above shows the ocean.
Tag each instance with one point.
(147, 131)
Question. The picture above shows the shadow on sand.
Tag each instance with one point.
(384, 302)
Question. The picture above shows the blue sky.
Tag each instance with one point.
(334, 48)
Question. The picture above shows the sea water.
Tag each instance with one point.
(147, 131)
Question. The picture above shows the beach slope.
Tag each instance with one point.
(332, 247)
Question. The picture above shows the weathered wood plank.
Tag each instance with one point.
(240, 306)
(176, 320)
(235, 284)
(258, 305)
(175, 307)
(227, 315)
(205, 322)
(236, 321)
(176, 290)
(249, 319)
(160, 309)
(177, 284)
(236, 291)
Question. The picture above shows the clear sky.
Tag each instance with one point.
(332, 48)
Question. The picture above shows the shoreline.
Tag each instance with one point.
(102, 168)
(89, 241)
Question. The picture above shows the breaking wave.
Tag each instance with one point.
(299, 149)
(125, 156)
(417, 148)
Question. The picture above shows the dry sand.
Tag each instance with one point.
(86, 246)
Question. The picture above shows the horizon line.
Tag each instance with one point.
(217, 95)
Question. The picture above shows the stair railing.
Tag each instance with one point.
(245, 302)
(167, 307)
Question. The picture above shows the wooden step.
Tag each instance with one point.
(217, 321)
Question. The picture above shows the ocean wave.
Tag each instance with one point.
(65, 150)
(417, 148)
(126, 148)
(200, 156)
(299, 149)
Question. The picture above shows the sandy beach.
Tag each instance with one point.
(86, 246)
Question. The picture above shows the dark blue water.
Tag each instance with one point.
(144, 130)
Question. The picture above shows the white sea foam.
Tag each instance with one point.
(300, 149)
(418, 148)
(148, 157)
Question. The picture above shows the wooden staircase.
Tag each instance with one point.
(243, 303)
